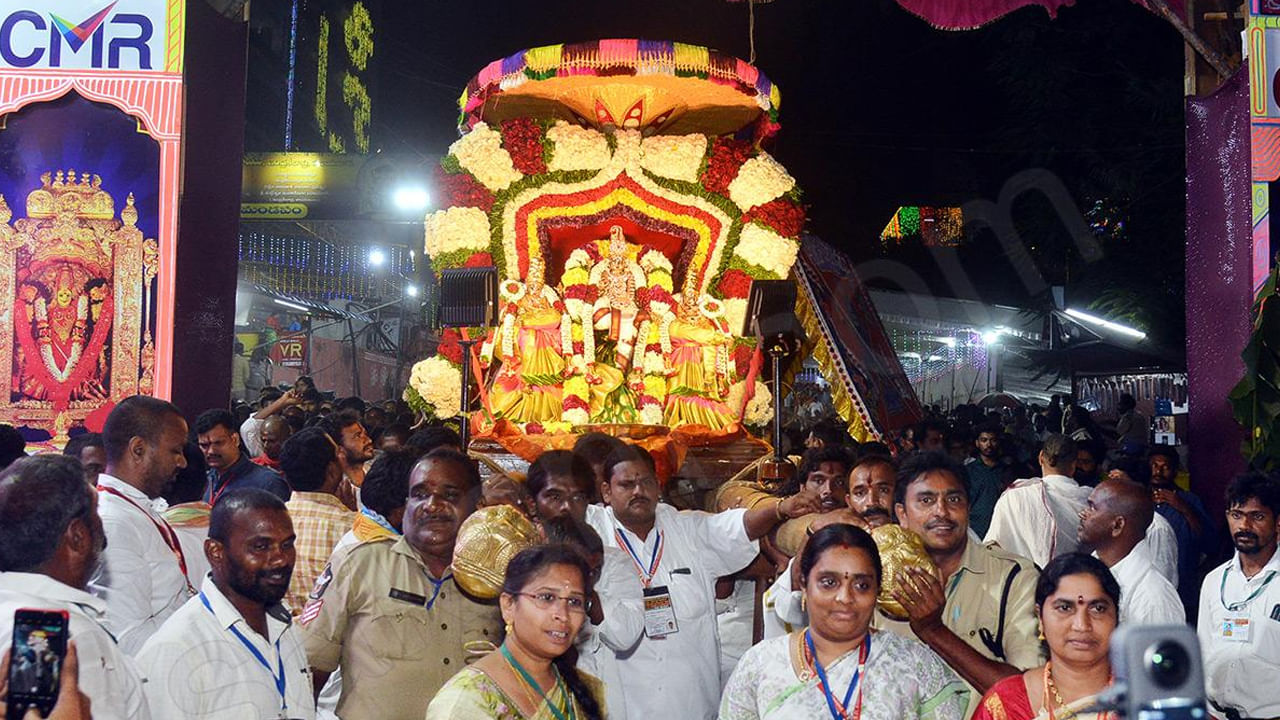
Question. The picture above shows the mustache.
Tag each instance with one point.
(875, 511)
(936, 524)
(1245, 536)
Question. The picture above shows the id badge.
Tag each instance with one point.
(1236, 628)
(659, 613)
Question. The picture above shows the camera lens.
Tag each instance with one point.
(1169, 664)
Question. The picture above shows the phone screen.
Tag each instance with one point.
(35, 660)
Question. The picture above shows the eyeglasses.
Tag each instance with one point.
(546, 601)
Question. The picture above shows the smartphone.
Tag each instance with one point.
(35, 660)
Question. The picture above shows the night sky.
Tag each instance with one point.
(878, 108)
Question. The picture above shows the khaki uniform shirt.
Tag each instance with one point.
(973, 605)
(375, 615)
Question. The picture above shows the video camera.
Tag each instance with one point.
(1158, 672)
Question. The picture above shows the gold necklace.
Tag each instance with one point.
(525, 686)
(1050, 686)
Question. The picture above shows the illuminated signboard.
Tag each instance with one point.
(91, 113)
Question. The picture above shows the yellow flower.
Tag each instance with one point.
(577, 332)
(481, 153)
(576, 276)
(678, 157)
(457, 228)
(759, 180)
(656, 387)
(576, 386)
(576, 148)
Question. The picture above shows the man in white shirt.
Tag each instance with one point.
(674, 669)
(1114, 524)
(1037, 518)
(232, 651)
(143, 577)
(51, 540)
(1239, 622)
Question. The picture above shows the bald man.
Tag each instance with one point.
(1114, 524)
(275, 430)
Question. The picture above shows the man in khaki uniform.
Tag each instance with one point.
(390, 613)
(978, 614)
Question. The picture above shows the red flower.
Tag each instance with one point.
(480, 259)
(727, 156)
(742, 359)
(784, 216)
(462, 190)
(734, 283)
(534, 428)
(523, 140)
(585, 293)
(659, 294)
(449, 347)
(642, 297)
(647, 400)
(577, 347)
(573, 402)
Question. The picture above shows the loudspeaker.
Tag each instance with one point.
(771, 316)
(469, 297)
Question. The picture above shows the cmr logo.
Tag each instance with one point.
(103, 40)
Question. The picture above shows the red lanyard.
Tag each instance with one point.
(166, 533)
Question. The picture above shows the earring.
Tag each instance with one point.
(1039, 631)
(509, 630)
(802, 608)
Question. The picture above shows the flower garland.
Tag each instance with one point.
(492, 172)
(435, 387)
(759, 407)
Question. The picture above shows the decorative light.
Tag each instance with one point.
(411, 290)
(377, 258)
(1104, 323)
(409, 198)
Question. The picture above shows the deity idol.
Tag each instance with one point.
(697, 381)
(528, 385)
(618, 276)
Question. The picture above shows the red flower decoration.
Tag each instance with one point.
(585, 293)
(522, 137)
(727, 156)
(462, 190)
(577, 347)
(742, 359)
(449, 347)
(642, 297)
(480, 259)
(734, 283)
(534, 428)
(658, 293)
(573, 402)
(783, 216)
(647, 400)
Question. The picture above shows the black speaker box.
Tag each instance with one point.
(468, 297)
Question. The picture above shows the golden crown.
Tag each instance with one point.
(61, 194)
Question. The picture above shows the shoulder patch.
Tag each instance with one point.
(322, 583)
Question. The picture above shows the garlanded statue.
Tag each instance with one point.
(531, 345)
(78, 282)
(698, 375)
(616, 311)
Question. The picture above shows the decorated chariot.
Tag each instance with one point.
(621, 190)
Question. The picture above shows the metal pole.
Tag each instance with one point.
(777, 403)
(355, 360)
(465, 417)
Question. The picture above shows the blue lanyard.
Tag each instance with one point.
(838, 712)
(278, 676)
(436, 585)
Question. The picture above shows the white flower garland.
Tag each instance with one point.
(678, 157)
(439, 383)
(767, 249)
(456, 228)
(576, 148)
(480, 153)
(760, 180)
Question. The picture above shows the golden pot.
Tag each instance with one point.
(487, 540)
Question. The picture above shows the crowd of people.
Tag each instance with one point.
(294, 558)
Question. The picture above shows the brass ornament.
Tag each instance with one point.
(899, 549)
(487, 540)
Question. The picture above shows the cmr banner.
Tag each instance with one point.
(78, 35)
